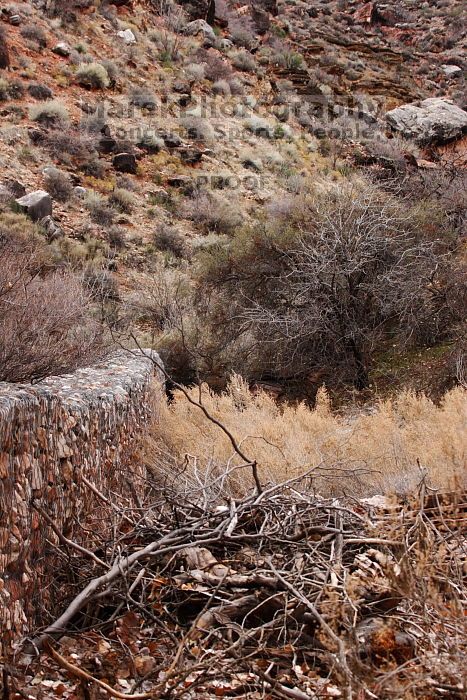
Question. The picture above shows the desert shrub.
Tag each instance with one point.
(53, 113)
(40, 91)
(242, 35)
(116, 237)
(168, 239)
(93, 76)
(236, 86)
(99, 210)
(112, 70)
(58, 185)
(221, 87)
(289, 440)
(15, 89)
(333, 273)
(215, 67)
(169, 45)
(47, 322)
(4, 90)
(144, 98)
(198, 128)
(35, 34)
(213, 212)
(288, 59)
(244, 61)
(260, 127)
(66, 144)
(122, 200)
(195, 71)
(4, 50)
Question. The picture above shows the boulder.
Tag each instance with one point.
(172, 140)
(106, 144)
(434, 120)
(37, 205)
(125, 163)
(80, 191)
(200, 26)
(127, 36)
(62, 49)
(451, 71)
(51, 228)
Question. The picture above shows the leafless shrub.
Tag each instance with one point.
(40, 91)
(167, 238)
(215, 66)
(99, 209)
(46, 320)
(123, 200)
(4, 52)
(35, 34)
(325, 284)
(242, 60)
(198, 128)
(58, 185)
(213, 212)
(52, 113)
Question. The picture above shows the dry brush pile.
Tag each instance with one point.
(278, 594)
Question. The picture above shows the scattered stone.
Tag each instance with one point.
(191, 156)
(184, 100)
(451, 71)
(37, 205)
(172, 140)
(226, 44)
(106, 144)
(200, 26)
(51, 229)
(434, 120)
(182, 182)
(127, 36)
(62, 49)
(125, 163)
(253, 164)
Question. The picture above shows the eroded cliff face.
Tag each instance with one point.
(51, 435)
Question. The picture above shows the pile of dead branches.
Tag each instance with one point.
(278, 595)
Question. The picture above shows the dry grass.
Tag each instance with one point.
(382, 451)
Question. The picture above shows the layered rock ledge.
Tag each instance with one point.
(51, 434)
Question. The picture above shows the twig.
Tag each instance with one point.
(64, 540)
(84, 675)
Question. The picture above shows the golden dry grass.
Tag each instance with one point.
(384, 449)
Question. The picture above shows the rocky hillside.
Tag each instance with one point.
(140, 136)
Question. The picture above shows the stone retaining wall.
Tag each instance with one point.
(51, 433)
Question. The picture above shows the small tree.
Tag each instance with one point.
(327, 277)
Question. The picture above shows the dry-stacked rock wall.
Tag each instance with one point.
(51, 434)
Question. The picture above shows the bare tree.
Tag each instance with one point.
(331, 275)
